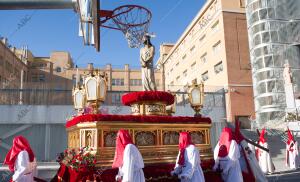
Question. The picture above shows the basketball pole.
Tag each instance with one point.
(37, 4)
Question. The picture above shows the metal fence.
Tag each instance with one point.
(64, 97)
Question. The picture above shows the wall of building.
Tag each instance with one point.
(10, 66)
(214, 49)
(240, 91)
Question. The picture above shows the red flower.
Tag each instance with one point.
(95, 161)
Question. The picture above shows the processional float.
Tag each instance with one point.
(153, 129)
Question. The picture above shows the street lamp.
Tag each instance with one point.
(196, 97)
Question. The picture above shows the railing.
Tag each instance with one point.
(64, 97)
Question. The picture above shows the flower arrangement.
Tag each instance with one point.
(78, 159)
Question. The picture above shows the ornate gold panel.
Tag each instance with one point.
(156, 141)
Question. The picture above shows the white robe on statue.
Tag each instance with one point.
(24, 169)
(264, 159)
(133, 164)
(292, 155)
(229, 165)
(191, 169)
(250, 157)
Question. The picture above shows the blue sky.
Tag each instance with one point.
(57, 30)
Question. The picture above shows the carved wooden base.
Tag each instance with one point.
(157, 142)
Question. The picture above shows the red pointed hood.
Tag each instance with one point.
(19, 144)
(262, 138)
(184, 141)
(123, 139)
(290, 137)
(225, 141)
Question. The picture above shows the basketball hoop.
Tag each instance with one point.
(132, 20)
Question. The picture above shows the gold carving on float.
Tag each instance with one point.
(88, 138)
(171, 137)
(156, 141)
(145, 138)
(149, 108)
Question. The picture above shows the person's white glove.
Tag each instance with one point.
(183, 178)
(118, 178)
(173, 173)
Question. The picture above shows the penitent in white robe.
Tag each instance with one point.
(292, 155)
(264, 159)
(229, 165)
(250, 157)
(191, 168)
(133, 164)
(24, 172)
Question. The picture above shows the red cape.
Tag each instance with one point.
(123, 138)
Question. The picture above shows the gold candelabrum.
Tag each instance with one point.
(92, 93)
(196, 97)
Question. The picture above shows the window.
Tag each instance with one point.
(118, 82)
(42, 77)
(177, 64)
(34, 77)
(204, 76)
(203, 58)
(58, 69)
(38, 77)
(215, 27)
(217, 47)
(1, 61)
(172, 83)
(193, 65)
(135, 82)
(218, 67)
(9, 67)
(202, 38)
(183, 57)
(116, 98)
(177, 78)
(185, 73)
(192, 48)
(171, 70)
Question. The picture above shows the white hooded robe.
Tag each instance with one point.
(191, 168)
(264, 159)
(24, 169)
(292, 155)
(133, 164)
(230, 166)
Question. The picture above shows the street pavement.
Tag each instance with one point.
(286, 176)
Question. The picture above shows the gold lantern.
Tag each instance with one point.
(95, 89)
(79, 99)
(196, 97)
(92, 93)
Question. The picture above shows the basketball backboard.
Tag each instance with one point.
(89, 25)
